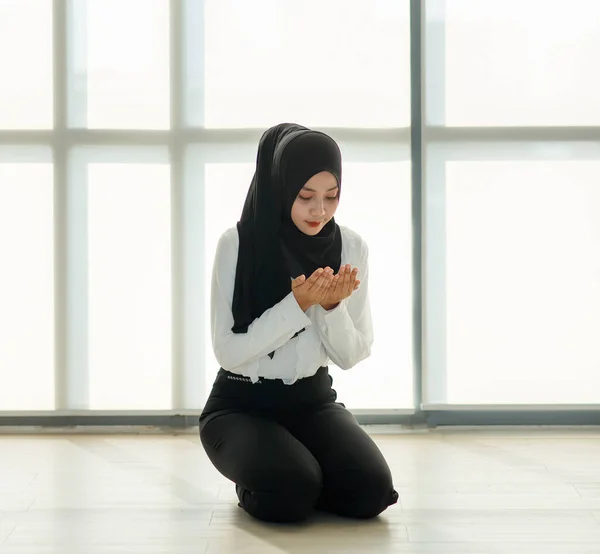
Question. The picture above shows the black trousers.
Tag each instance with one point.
(292, 449)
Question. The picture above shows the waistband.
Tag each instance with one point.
(234, 392)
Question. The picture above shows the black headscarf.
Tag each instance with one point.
(272, 250)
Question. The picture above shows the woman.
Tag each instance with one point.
(279, 313)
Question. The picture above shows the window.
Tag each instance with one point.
(268, 61)
(26, 281)
(149, 114)
(129, 286)
(512, 198)
(119, 70)
(26, 61)
(523, 283)
(128, 137)
(515, 62)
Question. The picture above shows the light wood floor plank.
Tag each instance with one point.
(465, 491)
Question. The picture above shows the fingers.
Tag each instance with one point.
(323, 292)
(315, 276)
(324, 284)
(326, 290)
(298, 281)
(353, 279)
(348, 284)
(322, 280)
(347, 277)
(336, 286)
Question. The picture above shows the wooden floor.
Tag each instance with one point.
(462, 492)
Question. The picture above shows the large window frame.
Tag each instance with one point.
(418, 144)
(73, 146)
(442, 143)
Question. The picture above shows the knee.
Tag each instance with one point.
(367, 495)
(284, 497)
(374, 493)
(378, 494)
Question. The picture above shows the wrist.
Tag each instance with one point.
(329, 307)
(303, 305)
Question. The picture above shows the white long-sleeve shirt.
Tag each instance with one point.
(343, 335)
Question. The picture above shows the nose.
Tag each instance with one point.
(319, 209)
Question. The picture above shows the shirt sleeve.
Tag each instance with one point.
(265, 334)
(347, 331)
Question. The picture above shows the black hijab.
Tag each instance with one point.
(272, 250)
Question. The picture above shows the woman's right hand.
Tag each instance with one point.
(312, 291)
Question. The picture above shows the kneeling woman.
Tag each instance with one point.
(286, 299)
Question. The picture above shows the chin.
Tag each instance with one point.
(312, 230)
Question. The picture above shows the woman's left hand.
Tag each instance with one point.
(344, 284)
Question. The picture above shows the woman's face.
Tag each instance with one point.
(316, 203)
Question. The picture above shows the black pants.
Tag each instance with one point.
(291, 449)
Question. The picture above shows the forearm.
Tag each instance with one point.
(346, 341)
(265, 334)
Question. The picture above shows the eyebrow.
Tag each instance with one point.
(328, 190)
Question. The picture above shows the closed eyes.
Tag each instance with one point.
(330, 198)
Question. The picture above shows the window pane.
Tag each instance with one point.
(384, 220)
(226, 186)
(129, 286)
(385, 379)
(521, 62)
(26, 287)
(523, 281)
(126, 66)
(26, 64)
(269, 61)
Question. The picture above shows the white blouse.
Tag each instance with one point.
(343, 335)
